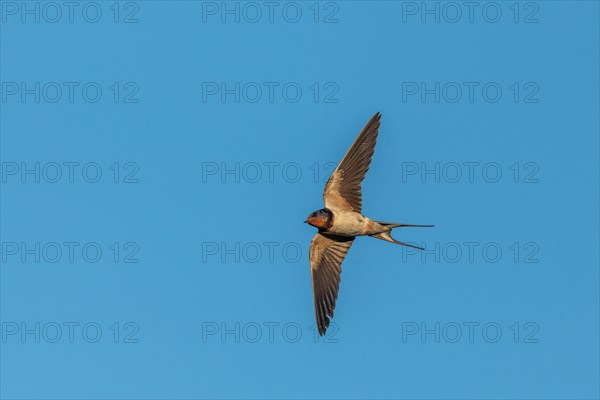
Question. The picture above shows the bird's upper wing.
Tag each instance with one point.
(342, 191)
(326, 255)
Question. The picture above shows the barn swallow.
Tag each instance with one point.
(341, 221)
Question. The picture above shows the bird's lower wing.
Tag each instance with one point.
(326, 255)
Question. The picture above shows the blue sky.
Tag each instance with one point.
(158, 160)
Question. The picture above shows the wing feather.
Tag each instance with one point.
(327, 252)
(343, 189)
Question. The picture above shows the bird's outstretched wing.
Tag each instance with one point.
(343, 191)
(326, 255)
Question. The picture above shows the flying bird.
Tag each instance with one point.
(341, 221)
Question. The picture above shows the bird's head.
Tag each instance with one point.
(322, 219)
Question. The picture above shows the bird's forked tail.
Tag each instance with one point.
(391, 225)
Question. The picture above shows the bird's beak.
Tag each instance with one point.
(306, 221)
